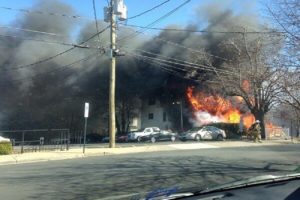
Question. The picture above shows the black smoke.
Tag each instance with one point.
(48, 95)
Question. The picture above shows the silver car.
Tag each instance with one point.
(203, 133)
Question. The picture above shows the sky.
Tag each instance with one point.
(183, 16)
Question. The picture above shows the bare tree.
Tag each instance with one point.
(286, 15)
(291, 89)
(248, 72)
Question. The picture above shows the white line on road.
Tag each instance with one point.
(192, 146)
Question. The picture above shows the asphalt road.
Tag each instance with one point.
(107, 176)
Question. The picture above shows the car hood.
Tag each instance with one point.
(174, 193)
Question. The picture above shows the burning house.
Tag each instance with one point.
(162, 81)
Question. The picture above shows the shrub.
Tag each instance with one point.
(5, 148)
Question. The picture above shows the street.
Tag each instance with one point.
(106, 176)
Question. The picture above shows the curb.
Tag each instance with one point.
(52, 156)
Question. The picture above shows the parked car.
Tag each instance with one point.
(138, 135)
(161, 136)
(93, 138)
(203, 133)
(105, 139)
(122, 138)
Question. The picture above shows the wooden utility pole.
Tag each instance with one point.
(112, 81)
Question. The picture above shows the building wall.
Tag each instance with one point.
(154, 114)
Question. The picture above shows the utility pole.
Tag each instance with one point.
(112, 80)
(181, 115)
(116, 8)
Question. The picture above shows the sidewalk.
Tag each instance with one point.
(76, 152)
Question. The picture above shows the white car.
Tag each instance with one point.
(203, 133)
(3, 139)
(138, 135)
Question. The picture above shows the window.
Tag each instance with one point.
(151, 101)
(150, 116)
(164, 116)
(156, 129)
(148, 130)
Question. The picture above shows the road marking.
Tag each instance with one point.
(192, 146)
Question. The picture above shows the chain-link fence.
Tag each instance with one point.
(277, 133)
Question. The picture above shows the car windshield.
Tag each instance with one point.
(107, 99)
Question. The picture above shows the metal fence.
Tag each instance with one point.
(38, 139)
(278, 133)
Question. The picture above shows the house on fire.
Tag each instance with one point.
(167, 115)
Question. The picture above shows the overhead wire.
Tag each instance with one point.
(33, 31)
(170, 71)
(56, 55)
(59, 69)
(201, 67)
(179, 60)
(37, 40)
(149, 10)
(95, 18)
(28, 11)
(136, 33)
(202, 31)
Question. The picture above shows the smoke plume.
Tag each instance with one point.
(49, 95)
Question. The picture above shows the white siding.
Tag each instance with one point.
(157, 110)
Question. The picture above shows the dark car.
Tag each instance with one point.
(161, 136)
(122, 138)
(119, 139)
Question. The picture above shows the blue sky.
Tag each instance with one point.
(182, 17)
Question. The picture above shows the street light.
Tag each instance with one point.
(181, 115)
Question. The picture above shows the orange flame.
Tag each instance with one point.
(270, 125)
(218, 106)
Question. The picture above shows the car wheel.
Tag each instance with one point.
(139, 139)
(220, 138)
(153, 140)
(197, 138)
(173, 138)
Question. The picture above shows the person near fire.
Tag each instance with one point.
(255, 130)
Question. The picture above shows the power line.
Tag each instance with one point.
(194, 65)
(136, 33)
(170, 71)
(203, 31)
(33, 31)
(189, 49)
(178, 60)
(56, 55)
(37, 40)
(49, 41)
(59, 69)
(95, 17)
(39, 12)
(149, 10)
